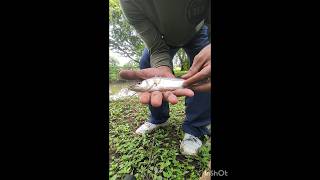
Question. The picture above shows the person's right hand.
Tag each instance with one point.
(155, 98)
(199, 74)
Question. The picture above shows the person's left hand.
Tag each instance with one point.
(200, 71)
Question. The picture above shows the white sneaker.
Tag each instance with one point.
(147, 127)
(190, 145)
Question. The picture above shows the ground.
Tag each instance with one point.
(153, 156)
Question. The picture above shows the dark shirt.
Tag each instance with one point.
(164, 23)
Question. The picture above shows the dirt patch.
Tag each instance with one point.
(111, 152)
(181, 158)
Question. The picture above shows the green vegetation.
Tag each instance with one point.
(123, 39)
(113, 74)
(179, 73)
(114, 69)
(153, 156)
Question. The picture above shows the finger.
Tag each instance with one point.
(195, 67)
(147, 73)
(191, 72)
(202, 88)
(170, 97)
(138, 74)
(129, 75)
(202, 75)
(162, 71)
(156, 99)
(183, 92)
(144, 74)
(144, 97)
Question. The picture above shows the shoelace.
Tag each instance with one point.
(148, 124)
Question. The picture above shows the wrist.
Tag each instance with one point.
(166, 71)
(165, 68)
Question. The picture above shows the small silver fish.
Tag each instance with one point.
(158, 84)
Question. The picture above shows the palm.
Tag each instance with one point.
(155, 98)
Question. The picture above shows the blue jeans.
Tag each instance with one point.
(198, 107)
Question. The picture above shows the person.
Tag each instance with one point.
(165, 26)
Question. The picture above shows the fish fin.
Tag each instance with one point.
(151, 86)
(133, 94)
(147, 82)
(158, 82)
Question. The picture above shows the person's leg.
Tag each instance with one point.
(145, 59)
(198, 107)
(160, 114)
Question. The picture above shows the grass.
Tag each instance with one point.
(153, 156)
(179, 73)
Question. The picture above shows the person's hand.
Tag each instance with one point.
(199, 74)
(155, 98)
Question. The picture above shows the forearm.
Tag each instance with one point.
(160, 57)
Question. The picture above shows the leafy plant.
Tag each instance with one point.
(152, 156)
